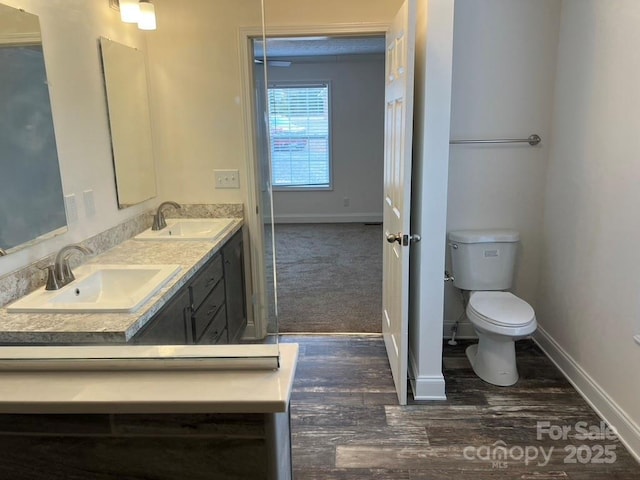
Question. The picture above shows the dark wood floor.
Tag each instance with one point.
(346, 423)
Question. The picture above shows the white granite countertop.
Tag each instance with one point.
(161, 391)
(114, 328)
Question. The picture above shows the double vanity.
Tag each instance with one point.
(181, 285)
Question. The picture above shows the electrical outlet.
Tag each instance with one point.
(227, 178)
(71, 207)
(346, 202)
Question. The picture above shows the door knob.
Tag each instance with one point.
(394, 237)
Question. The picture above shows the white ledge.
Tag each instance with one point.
(150, 391)
(139, 357)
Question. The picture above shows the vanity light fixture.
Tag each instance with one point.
(141, 12)
(129, 11)
(147, 19)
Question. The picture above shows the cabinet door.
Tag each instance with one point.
(216, 332)
(205, 280)
(233, 258)
(203, 316)
(169, 325)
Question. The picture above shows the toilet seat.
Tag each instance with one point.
(502, 309)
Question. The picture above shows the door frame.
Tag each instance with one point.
(258, 327)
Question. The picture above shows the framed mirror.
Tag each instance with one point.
(31, 198)
(125, 79)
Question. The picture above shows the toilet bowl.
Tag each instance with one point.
(499, 318)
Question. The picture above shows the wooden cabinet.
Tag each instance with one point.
(171, 325)
(205, 280)
(210, 309)
(233, 257)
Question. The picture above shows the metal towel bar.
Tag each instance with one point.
(533, 140)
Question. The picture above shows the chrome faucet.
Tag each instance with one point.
(158, 219)
(60, 273)
(2, 252)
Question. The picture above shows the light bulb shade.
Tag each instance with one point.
(129, 11)
(147, 20)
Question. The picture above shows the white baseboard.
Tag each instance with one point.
(628, 431)
(329, 218)
(425, 387)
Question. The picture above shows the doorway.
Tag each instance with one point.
(326, 96)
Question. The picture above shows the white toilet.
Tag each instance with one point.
(483, 262)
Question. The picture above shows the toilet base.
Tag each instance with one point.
(494, 360)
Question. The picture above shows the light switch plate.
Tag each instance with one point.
(227, 178)
(71, 207)
(89, 203)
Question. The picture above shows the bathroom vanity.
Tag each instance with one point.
(198, 421)
(203, 303)
(209, 309)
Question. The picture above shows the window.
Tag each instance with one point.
(299, 134)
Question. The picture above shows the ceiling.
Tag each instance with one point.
(319, 46)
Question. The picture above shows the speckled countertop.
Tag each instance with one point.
(92, 328)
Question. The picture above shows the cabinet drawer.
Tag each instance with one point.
(216, 333)
(205, 313)
(202, 285)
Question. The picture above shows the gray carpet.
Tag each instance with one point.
(329, 277)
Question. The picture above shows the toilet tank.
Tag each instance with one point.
(483, 259)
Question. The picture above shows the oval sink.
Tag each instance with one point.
(100, 288)
(189, 229)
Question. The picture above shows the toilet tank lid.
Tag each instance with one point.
(484, 236)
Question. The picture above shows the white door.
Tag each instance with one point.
(397, 192)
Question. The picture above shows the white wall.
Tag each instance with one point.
(432, 110)
(588, 305)
(70, 38)
(196, 93)
(196, 88)
(357, 141)
(503, 75)
(329, 12)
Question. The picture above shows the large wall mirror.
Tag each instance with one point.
(194, 80)
(125, 77)
(31, 199)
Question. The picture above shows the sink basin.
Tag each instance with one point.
(189, 229)
(100, 288)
